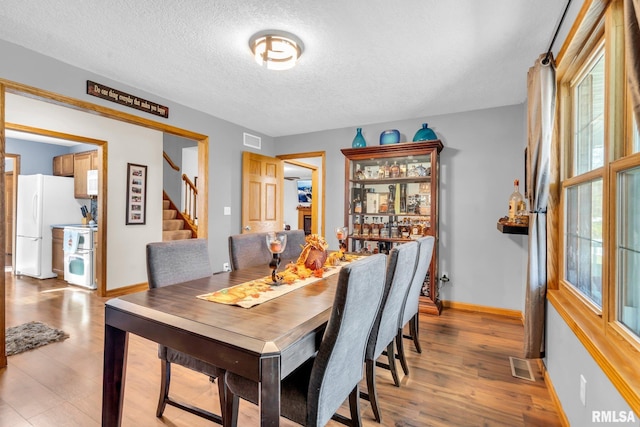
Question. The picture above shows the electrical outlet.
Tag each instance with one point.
(225, 267)
(583, 390)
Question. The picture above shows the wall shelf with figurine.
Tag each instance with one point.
(511, 228)
(517, 221)
(391, 197)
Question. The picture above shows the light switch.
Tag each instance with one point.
(227, 210)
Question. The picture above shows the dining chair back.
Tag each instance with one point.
(410, 312)
(312, 394)
(401, 265)
(169, 263)
(250, 250)
(177, 261)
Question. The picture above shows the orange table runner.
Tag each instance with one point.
(257, 291)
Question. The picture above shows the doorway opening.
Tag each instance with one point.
(311, 165)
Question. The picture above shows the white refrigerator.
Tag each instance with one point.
(42, 200)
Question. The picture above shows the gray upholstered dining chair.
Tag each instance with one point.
(168, 263)
(401, 265)
(250, 250)
(411, 310)
(312, 394)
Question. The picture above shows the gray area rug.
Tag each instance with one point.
(31, 335)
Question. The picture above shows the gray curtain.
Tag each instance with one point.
(541, 95)
(632, 46)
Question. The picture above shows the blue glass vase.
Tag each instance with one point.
(425, 134)
(390, 137)
(358, 140)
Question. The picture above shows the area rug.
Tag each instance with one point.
(31, 335)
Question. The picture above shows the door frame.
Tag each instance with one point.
(8, 86)
(15, 172)
(315, 209)
(101, 146)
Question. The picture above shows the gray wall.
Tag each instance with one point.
(171, 178)
(35, 157)
(225, 138)
(483, 153)
(566, 359)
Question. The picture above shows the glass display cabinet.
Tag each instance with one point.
(391, 197)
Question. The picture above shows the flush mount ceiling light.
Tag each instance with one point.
(276, 50)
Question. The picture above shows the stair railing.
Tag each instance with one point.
(168, 159)
(190, 211)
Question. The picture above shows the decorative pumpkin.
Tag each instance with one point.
(314, 252)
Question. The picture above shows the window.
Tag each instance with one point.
(588, 141)
(583, 240)
(598, 282)
(628, 250)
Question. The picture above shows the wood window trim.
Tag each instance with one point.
(606, 340)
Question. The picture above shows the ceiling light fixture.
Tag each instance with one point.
(276, 50)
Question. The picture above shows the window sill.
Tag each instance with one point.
(611, 353)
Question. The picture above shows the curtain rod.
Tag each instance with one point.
(545, 61)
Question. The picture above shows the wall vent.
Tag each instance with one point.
(252, 140)
(521, 368)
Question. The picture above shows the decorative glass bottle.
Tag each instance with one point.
(514, 201)
(358, 140)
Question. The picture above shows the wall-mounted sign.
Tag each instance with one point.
(123, 98)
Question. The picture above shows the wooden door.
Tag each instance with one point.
(8, 209)
(262, 203)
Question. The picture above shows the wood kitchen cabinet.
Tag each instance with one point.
(82, 162)
(391, 197)
(57, 251)
(63, 165)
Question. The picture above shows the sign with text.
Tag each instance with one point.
(122, 98)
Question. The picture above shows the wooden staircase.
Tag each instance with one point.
(174, 227)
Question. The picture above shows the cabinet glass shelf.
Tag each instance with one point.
(402, 178)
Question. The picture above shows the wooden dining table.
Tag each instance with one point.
(263, 343)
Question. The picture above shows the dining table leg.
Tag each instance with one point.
(113, 375)
(270, 391)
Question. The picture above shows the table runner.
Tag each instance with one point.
(260, 290)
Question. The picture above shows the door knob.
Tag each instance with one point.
(247, 228)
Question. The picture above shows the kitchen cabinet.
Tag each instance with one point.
(57, 251)
(82, 162)
(390, 198)
(63, 165)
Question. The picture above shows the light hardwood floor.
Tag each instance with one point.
(462, 378)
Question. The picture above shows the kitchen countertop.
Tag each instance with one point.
(93, 227)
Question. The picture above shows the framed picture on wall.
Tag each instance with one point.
(136, 194)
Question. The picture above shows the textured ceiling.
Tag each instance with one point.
(365, 61)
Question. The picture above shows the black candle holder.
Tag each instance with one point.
(274, 264)
(276, 242)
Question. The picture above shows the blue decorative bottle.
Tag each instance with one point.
(425, 134)
(358, 141)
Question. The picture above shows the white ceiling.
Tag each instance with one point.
(26, 136)
(365, 61)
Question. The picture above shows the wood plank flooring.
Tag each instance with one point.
(462, 378)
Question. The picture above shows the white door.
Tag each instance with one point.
(28, 256)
